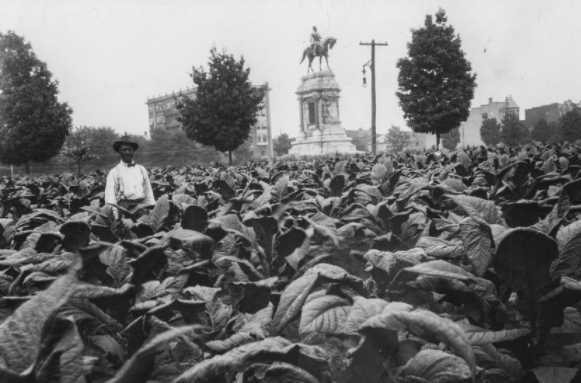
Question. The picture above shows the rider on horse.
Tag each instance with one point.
(315, 39)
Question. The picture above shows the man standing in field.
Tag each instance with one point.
(128, 184)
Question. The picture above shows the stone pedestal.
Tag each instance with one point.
(321, 130)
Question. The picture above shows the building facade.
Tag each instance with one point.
(470, 129)
(163, 114)
(550, 112)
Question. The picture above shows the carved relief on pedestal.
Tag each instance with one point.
(330, 111)
(318, 97)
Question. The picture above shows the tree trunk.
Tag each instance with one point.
(230, 157)
(437, 140)
(78, 168)
(27, 167)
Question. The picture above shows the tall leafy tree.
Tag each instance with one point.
(225, 106)
(570, 125)
(451, 139)
(513, 132)
(361, 138)
(543, 131)
(490, 131)
(282, 144)
(396, 139)
(33, 123)
(436, 83)
(89, 144)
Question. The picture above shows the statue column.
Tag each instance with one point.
(302, 117)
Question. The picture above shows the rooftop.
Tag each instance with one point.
(187, 91)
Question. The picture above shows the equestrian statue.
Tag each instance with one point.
(318, 48)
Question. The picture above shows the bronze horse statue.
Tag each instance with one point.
(319, 50)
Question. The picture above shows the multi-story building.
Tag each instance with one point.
(550, 112)
(470, 129)
(163, 114)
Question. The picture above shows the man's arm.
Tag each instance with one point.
(110, 188)
(148, 191)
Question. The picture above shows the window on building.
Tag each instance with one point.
(312, 116)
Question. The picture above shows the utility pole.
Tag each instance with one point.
(373, 44)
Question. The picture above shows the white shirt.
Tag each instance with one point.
(128, 182)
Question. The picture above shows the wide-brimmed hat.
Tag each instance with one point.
(124, 141)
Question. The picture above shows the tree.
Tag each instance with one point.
(225, 106)
(85, 144)
(570, 125)
(361, 138)
(33, 123)
(282, 144)
(490, 131)
(396, 139)
(435, 80)
(451, 139)
(543, 131)
(173, 147)
(513, 131)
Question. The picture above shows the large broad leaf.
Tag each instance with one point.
(160, 213)
(498, 364)
(252, 329)
(379, 173)
(265, 229)
(63, 350)
(232, 224)
(439, 268)
(478, 336)
(195, 218)
(440, 248)
(478, 243)
(280, 187)
(364, 308)
(408, 187)
(337, 184)
(426, 324)
(214, 369)
(524, 212)
(191, 241)
(568, 233)
(20, 334)
(287, 242)
(555, 374)
(522, 261)
(149, 264)
(569, 241)
(391, 263)
(292, 300)
(326, 231)
(117, 264)
(435, 366)
(278, 372)
(77, 235)
(140, 366)
(477, 207)
(573, 190)
(324, 313)
(295, 294)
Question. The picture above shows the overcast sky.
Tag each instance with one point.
(109, 56)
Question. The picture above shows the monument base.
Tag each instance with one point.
(327, 144)
(321, 130)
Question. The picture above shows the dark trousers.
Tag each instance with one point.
(130, 204)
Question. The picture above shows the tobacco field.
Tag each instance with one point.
(459, 267)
